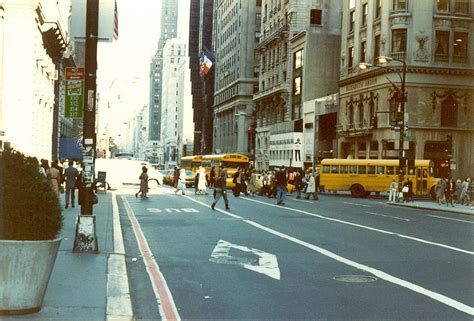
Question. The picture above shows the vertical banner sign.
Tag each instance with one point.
(74, 102)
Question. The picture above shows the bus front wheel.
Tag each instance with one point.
(357, 190)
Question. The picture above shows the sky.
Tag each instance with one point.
(124, 64)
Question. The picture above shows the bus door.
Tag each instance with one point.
(421, 181)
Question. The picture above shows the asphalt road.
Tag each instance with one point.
(334, 259)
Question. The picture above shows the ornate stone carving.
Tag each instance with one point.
(421, 53)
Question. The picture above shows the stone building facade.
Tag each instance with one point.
(297, 49)
(434, 39)
(237, 25)
(33, 37)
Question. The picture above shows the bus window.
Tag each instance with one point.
(390, 170)
(326, 169)
(404, 171)
(335, 169)
(371, 170)
(411, 171)
(343, 169)
(425, 173)
(353, 169)
(380, 170)
(362, 169)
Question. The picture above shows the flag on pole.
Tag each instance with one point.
(116, 30)
(207, 60)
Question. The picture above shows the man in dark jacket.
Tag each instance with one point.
(220, 189)
(70, 176)
(281, 183)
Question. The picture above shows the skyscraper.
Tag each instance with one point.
(169, 26)
(236, 27)
(202, 88)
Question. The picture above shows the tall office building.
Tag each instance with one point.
(202, 87)
(237, 28)
(169, 26)
(434, 40)
(172, 102)
(296, 50)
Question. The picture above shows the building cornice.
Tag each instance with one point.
(411, 69)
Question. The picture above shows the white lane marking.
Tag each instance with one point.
(357, 204)
(365, 227)
(394, 217)
(166, 304)
(304, 201)
(267, 262)
(451, 219)
(378, 273)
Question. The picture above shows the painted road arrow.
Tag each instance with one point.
(251, 259)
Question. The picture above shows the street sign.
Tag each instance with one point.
(74, 98)
(410, 138)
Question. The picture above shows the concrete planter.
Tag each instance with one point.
(25, 268)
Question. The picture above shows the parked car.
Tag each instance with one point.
(189, 178)
(167, 176)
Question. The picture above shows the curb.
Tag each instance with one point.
(440, 209)
(119, 304)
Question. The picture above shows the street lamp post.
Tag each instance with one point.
(400, 116)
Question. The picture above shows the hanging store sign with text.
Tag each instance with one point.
(74, 101)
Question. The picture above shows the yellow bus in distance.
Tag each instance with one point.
(229, 161)
(191, 163)
(363, 176)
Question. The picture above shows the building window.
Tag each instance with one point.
(350, 61)
(378, 9)
(297, 86)
(460, 45)
(400, 5)
(365, 11)
(449, 112)
(442, 5)
(315, 17)
(442, 46)
(462, 7)
(363, 50)
(299, 59)
(361, 114)
(377, 46)
(351, 21)
(399, 41)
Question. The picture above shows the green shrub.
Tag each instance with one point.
(31, 209)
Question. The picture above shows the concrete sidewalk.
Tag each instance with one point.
(85, 286)
(433, 206)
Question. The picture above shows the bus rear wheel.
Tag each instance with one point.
(357, 190)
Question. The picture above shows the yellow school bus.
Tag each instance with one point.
(363, 176)
(191, 163)
(229, 161)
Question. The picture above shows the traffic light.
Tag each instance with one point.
(402, 162)
(449, 147)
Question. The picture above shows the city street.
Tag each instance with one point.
(338, 258)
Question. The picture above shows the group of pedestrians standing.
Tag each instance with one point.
(62, 180)
(450, 192)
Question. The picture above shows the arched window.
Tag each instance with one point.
(351, 115)
(361, 113)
